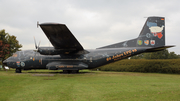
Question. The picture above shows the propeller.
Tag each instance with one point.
(35, 43)
(37, 47)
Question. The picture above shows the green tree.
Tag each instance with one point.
(139, 56)
(164, 54)
(172, 55)
(8, 45)
(178, 56)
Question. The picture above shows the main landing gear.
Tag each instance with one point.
(70, 71)
(18, 70)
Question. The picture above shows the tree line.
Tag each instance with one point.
(164, 54)
(144, 65)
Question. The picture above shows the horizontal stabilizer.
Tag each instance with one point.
(158, 48)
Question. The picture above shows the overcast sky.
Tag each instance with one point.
(94, 23)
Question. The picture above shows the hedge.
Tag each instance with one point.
(144, 65)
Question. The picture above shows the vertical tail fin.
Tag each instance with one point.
(152, 35)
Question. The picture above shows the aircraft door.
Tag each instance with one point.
(36, 61)
(90, 60)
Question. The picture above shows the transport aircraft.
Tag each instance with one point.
(67, 53)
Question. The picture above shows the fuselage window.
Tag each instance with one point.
(14, 55)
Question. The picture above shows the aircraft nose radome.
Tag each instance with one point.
(5, 62)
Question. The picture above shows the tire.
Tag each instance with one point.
(18, 70)
(70, 71)
(74, 71)
(65, 71)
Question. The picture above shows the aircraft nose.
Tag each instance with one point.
(5, 62)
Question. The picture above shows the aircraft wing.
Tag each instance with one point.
(60, 36)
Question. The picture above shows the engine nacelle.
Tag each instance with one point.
(52, 51)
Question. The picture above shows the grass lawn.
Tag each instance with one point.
(45, 85)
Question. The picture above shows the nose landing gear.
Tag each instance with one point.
(70, 71)
(18, 70)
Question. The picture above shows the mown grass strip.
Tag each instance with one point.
(88, 86)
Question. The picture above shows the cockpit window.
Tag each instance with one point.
(14, 55)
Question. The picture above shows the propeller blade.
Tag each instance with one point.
(37, 24)
(35, 43)
(39, 44)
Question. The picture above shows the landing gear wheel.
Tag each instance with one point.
(74, 71)
(65, 71)
(70, 71)
(18, 70)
